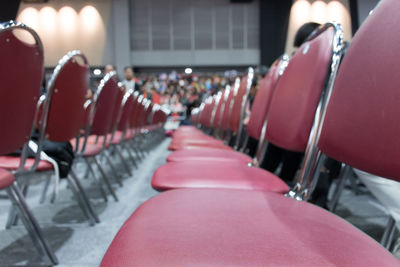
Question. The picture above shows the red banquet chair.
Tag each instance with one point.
(120, 133)
(217, 227)
(221, 126)
(231, 120)
(257, 124)
(197, 138)
(291, 113)
(18, 98)
(93, 144)
(62, 109)
(141, 128)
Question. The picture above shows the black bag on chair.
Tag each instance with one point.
(61, 152)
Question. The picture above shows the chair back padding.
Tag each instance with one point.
(21, 72)
(362, 125)
(139, 112)
(235, 116)
(262, 102)
(117, 107)
(158, 117)
(218, 111)
(206, 114)
(147, 115)
(227, 110)
(104, 98)
(293, 106)
(67, 94)
(133, 118)
(126, 112)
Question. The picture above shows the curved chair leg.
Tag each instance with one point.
(387, 237)
(113, 169)
(31, 223)
(84, 196)
(133, 147)
(105, 179)
(12, 219)
(98, 182)
(130, 155)
(80, 200)
(44, 191)
(126, 166)
(343, 176)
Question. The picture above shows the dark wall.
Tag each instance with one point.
(354, 15)
(274, 22)
(9, 9)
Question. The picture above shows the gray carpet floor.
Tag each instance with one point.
(78, 244)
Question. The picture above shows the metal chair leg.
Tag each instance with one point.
(98, 182)
(126, 166)
(44, 191)
(137, 151)
(81, 203)
(343, 176)
(130, 155)
(113, 169)
(84, 196)
(12, 219)
(105, 179)
(387, 237)
(31, 223)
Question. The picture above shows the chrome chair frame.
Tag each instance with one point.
(312, 162)
(13, 191)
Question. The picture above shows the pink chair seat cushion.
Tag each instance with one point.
(198, 146)
(118, 137)
(6, 178)
(196, 141)
(12, 163)
(208, 154)
(91, 149)
(210, 227)
(211, 174)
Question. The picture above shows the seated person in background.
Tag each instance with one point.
(130, 82)
(109, 68)
(275, 156)
(252, 143)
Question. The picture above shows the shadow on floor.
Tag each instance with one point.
(74, 214)
(23, 252)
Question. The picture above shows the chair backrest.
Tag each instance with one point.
(117, 110)
(216, 120)
(298, 93)
(206, 113)
(135, 110)
(126, 111)
(138, 112)
(65, 98)
(228, 106)
(21, 72)
(239, 103)
(104, 100)
(158, 115)
(194, 115)
(148, 108)
(362, 126)
(263, 98)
